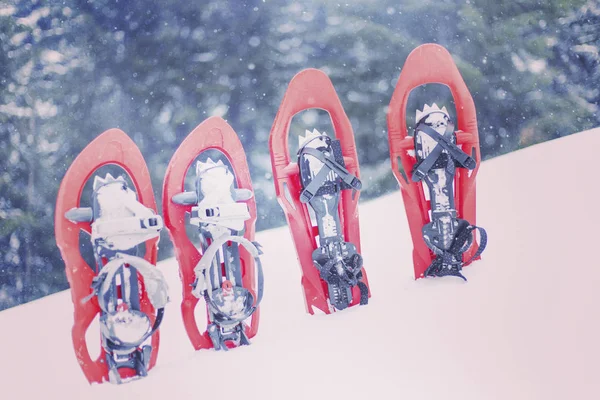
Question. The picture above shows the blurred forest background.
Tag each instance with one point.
(71, 69)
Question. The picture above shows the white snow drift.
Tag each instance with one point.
(525, 326)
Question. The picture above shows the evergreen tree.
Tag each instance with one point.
(71, 69)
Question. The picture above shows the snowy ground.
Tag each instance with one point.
(525, 326)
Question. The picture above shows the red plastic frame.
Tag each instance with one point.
(213, 133)
(111, 147)
(431, 63)
(312, 88)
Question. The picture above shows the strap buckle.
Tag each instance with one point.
(230, 215)
(147, 226)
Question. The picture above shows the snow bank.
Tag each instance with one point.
(525, 326)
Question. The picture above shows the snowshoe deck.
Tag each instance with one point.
(431, 63)
(226, 270)
(91, 293)
(295, 190)
(323, 176)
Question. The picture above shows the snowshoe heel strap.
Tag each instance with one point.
(156, 288)
(482, 242)
(203, 285)
(364, 293)
(155, 283)
(451, 257)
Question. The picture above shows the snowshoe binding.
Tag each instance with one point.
(323, 176)
(127, 289)
(437, 159)
(222, 209)
(333, 276)
(442, 221)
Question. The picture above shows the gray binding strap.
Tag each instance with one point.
(463, 158)
(423, 168)
(315, 184)
(154, 281)
(210, 254)
(309, 192)
(156, 288)
(443, 144)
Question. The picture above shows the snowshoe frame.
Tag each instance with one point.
(432, 63)
(111, 147)
(213, 133)
(312, 88)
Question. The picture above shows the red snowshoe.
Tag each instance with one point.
(442, 220)
(226, 271)
(326, 178)
(123, 286)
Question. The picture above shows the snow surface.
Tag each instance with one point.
(525, 326)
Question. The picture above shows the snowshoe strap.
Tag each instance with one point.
(146, 227)
(309, 192)
(229, 215)
(203, 286)
(462, 158)
(482, 242)
(364, 293)
(351, 276)
(455, 152)
(154, 281)
(144, 224)
(191, 198)
(449, 257)
(315, 184)
(426, 164)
